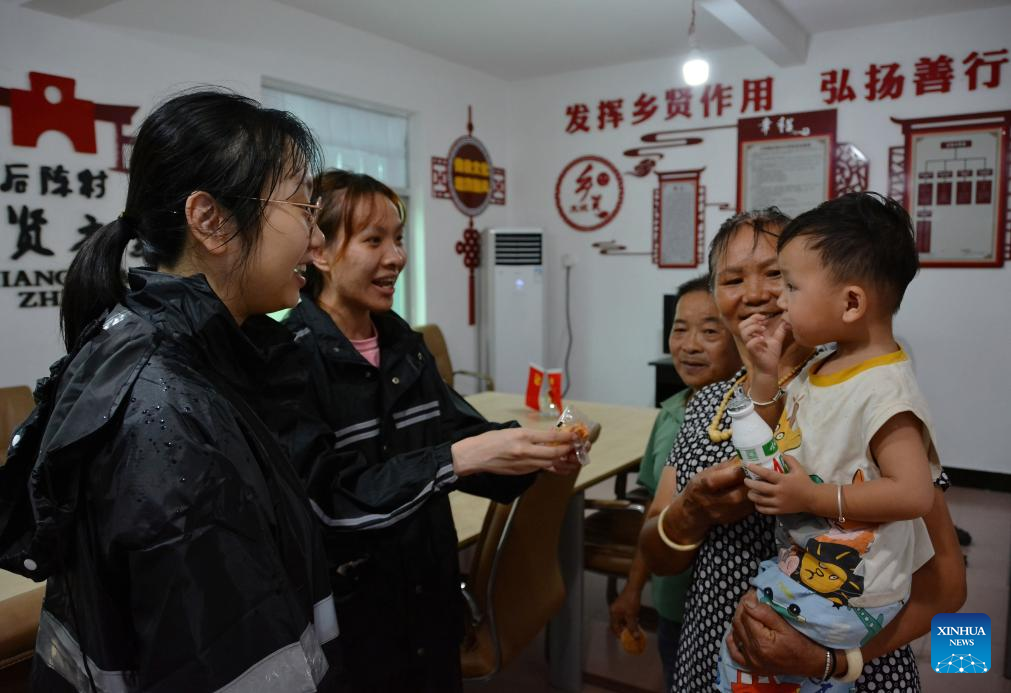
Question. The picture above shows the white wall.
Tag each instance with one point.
(237, 44)
(957, 321)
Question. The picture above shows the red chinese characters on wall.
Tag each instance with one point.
(589, 193)
(931, 74)
(711, 101)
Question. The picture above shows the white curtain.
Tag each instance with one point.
(352, 138)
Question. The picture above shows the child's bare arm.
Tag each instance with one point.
(904, 491)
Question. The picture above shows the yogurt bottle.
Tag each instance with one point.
(752, 437)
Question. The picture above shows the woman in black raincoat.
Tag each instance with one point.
(388, 418)
(178, 545)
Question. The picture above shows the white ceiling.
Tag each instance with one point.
(520, 39)
(517, 39)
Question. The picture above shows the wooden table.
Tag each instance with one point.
(623, 436)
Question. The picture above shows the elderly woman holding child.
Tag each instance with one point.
(712, 526)
(703, 352)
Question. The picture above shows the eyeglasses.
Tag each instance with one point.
(311, 209)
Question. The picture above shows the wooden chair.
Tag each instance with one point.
(19, 623)
(19, 614)
(610, 536)
(515, 582)
(16, 403)
(436, 344)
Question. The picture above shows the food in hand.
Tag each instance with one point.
(578, 427)
(634, 642)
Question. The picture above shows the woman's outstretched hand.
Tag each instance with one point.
(516, 451)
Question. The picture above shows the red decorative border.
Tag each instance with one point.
(897, 173)
(689, 176)
(972, 122)
(440, 178)
(852, 169)
(655, 245)
(819, 124)
(558, 192)
(700, 244)
(498, 186)
(1007, 198)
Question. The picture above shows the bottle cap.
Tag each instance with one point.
(740, 404)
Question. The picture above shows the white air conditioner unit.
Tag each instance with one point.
(512, 305)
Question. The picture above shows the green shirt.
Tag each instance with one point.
(669, 590)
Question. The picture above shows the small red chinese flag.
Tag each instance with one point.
(555, 387)
(534, 381)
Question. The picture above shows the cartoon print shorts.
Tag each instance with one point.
(839, 627)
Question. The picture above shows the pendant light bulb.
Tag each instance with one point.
(695, 70)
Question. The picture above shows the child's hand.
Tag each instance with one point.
(765, 347)
(779, 493)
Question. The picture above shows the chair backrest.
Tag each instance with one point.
(19, 624)
(515, 578)
(16, 403)
(436, 344)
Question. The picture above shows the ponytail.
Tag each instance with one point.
(94, 281)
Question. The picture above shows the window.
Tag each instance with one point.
(354, 138)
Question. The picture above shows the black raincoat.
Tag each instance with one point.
(381, 494)
(179, 549)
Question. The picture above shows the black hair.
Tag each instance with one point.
(769, 221)
(210, 140)
(700, 283)
(861, 236)
(341, 193)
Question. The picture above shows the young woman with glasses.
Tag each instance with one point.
(179, 547)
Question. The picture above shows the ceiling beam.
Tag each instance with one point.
(766, 26)
(71, 9)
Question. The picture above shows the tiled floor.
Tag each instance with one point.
(985, 515)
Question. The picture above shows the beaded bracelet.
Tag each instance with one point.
(829, 664)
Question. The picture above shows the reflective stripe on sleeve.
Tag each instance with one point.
(444, 476)
(324, 618)
(60, 651)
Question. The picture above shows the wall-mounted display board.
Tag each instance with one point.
(678, 221)
(956, 188)
(786, 160)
